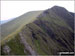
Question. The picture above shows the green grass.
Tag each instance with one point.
(18, 23)
(39, 50)
(15, 46)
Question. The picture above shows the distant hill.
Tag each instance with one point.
(39, 33)
(2, 22)
(5, 21)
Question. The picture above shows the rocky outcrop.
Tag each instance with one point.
(6, 49)
(27, 46)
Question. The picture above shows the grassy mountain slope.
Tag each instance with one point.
(49, 34)
(17, 23)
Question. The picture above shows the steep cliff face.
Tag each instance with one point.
(52, 32)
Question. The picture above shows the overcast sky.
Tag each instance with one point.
(12, 9)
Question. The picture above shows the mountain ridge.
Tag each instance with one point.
(10, 25)
(50, 33)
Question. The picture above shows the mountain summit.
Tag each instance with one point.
(46, 32)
